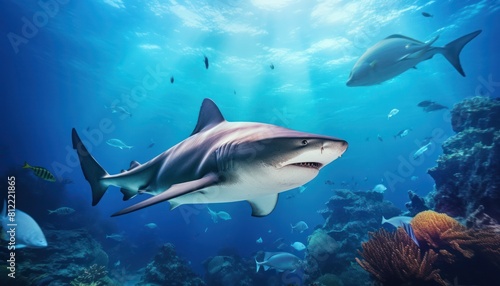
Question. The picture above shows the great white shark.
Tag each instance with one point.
(219, 162)
(397, 53)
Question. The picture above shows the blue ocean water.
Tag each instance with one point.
(82, 57)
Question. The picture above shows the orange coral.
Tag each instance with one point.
(429, 226)
(395, 259)
(441, 232)
(449, 238)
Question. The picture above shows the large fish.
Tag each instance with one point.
(24, 227)
(397, 53)
(220, 162)
(280, 261)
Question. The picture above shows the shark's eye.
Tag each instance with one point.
(304, 142)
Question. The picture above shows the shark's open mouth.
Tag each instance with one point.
(313, 165)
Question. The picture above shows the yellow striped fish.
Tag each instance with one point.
(41, 172)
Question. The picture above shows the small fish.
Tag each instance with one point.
(151, 144)
(119, 109)
(281, 261)
(224, 215)
(414, 178)
(397, 221)
(427, 139)
(118, 144)
(28, 232)
(206, 229)
(380, 138)
(425, 103)
(434, 107)
(260, 240)
(421, 151)
(282, 246)
(402, 133)
(218, 215)
(151, 225)
(40, 172)
(409, 230)
(116, 236)
(269, 231)
(117, 263)
(171, 79)
(392, 113)
(62, 211)
(300, 226)
(206, 62)
(299, 246)
(271, 66)
(279, 240)
(425, 14)
(379, 188)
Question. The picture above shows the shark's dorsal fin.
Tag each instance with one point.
(209, 116)
(262, 206)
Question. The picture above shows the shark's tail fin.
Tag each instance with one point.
(452, 50)
(92, 171)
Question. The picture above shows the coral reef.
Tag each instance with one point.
(447, 251)
(479, 220)
(328, 280)
(451, 239)
(440, 231)
(394, 259)
(349, 215)
(168, 269)
(466, 174)
(63, 260)
(90, 276)
(321, 245)
(230, 270)
(416, 204)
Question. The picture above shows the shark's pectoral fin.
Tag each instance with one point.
(262, 206)
(173, 192)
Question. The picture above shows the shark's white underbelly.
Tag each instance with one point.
(249, 185)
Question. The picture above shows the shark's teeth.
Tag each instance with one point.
(313, 165)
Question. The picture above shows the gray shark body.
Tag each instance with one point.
(397, 53)
(220, 162)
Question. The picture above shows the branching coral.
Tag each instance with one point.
(394, 259)
(90, 275)
(447, 236)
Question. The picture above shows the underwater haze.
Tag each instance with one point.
(130, 77)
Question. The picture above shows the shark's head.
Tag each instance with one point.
(288, 158)
(362, 74)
